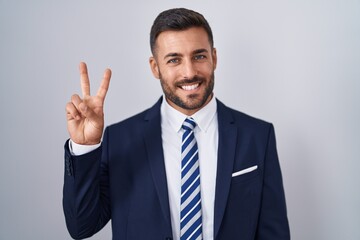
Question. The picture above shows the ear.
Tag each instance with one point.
(154, 67)
(214, 57)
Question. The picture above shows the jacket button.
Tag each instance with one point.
(168, 238)
(68, 166)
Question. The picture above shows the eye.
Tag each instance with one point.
(174, 60)
(199, 57)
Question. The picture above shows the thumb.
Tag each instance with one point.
(83, 108)
(88, 113)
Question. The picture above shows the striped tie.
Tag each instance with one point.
(190, 215)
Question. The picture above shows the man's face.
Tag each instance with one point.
(185, 62)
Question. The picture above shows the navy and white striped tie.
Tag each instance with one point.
(190, 215)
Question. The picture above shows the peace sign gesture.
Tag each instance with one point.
(85, 116)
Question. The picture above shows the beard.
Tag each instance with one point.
(191, 101)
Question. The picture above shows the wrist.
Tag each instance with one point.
(80, 149)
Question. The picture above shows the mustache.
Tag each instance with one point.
(195, 79)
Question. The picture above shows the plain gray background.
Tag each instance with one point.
(293, 63)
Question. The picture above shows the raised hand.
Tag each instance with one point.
(85, 116)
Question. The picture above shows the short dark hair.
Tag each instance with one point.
(178, 19)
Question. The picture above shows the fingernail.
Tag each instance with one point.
(83, 107)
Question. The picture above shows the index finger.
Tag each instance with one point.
(104, 86)
(84, 79)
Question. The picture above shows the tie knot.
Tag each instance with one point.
(189, 124)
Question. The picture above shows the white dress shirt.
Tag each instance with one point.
(207, 136)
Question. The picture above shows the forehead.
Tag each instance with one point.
(185, 41)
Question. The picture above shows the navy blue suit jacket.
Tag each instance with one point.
(125, 180)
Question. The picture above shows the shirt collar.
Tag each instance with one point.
(175, 119)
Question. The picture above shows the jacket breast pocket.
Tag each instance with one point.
(245, 175)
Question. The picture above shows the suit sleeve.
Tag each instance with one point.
(273, 222)
(86, 201)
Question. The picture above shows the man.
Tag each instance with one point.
(187, 168)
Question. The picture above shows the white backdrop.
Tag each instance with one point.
(293, 63)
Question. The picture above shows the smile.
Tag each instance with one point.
(190, 87)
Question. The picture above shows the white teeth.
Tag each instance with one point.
(191, 87)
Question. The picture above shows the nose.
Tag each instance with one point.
(189, 69)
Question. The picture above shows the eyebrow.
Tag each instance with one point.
(172, 55)
(202, 50)
(197, 51)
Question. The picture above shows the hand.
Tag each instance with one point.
(85, 116)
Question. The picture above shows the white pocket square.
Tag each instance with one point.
(246, 170)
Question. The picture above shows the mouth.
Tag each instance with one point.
(190, 87)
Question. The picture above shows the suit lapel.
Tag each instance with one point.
(226, 156)
(153, 142)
